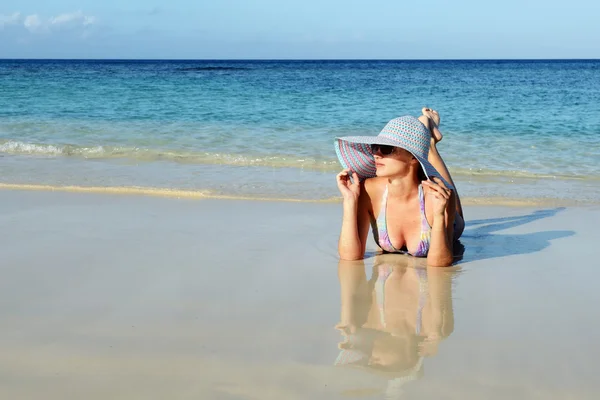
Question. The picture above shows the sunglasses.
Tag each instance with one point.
(384, 149)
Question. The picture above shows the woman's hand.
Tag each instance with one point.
(439, 195)
(350, 190)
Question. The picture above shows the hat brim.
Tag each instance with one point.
(354, 153)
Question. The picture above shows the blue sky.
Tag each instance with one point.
(282, 29)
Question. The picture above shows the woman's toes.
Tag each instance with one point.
(431, 113)
(436, 118)
(431, 120)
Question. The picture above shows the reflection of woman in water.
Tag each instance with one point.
(390, 322)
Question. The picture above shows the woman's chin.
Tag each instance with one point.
(380, 171)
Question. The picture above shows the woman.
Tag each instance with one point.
(398, 183)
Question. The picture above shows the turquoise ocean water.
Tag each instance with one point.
(265, 129)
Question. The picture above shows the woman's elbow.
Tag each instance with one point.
(350, 251)
(350, 255)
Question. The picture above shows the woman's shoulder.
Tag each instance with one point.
(373, 184)
(373, 187)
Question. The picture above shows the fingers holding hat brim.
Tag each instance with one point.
(356, 156)
(431, 172)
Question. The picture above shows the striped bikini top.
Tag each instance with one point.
(382, 237)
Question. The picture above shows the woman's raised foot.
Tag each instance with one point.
(431, 119)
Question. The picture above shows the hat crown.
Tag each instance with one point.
(409, 133)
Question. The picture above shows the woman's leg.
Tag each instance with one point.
(429, 119)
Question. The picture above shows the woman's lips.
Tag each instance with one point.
(378, 164)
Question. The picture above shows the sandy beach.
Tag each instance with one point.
(139, 297)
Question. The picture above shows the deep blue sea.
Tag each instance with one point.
(265, 129)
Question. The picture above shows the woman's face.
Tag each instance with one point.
(393, 161)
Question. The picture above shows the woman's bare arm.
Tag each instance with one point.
(441, 202)
(355, 227)
(355, 218)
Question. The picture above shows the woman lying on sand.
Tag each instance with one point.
(398, 183)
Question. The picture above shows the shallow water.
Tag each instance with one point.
(505, 122)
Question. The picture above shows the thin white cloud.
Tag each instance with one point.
(76, 17)
(13, 19)
(65, 18)
(35, 24)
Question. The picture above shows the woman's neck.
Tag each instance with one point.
(403, 187)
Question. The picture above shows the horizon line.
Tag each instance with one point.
(295, 59)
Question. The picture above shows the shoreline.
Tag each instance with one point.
(204, 195)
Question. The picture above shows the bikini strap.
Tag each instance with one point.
(380, 232)
(382, 211)
(424, 224)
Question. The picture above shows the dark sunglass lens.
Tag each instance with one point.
(382, 148)
(386, 150)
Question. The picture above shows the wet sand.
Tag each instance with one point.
(133, 297)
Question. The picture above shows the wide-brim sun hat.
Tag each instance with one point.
(407, 132)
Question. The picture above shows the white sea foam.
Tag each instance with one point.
(14, 147)
(179, 156)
